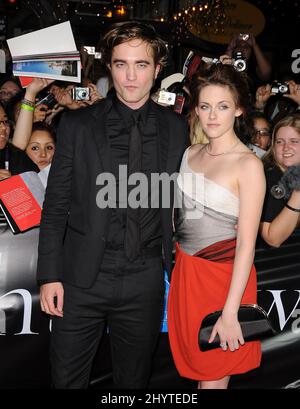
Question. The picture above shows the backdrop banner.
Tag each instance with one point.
(25, 334)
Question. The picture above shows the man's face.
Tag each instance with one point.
(133, 72)
(8, 90)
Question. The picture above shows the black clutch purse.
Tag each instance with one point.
(254, 323)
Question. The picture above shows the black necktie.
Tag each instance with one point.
(132, 236)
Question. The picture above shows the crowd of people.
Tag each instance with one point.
(103, 266)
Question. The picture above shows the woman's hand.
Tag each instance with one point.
(94, 93)
(229, 331)
(64, 98)
(40, 113)
(35, 87)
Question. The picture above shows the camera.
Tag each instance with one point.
(80, 93)
(280, 87)
(48, 100)
(244, 36)
(91, 51)
(166, 97)
(239, 62)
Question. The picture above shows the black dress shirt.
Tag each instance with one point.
(118, 123)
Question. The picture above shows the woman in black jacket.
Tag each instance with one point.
(281, 212)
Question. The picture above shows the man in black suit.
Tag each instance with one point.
(102, 264)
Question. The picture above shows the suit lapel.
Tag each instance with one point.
(163, 138)
(100, 135)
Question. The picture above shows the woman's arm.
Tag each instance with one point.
(252, 186)
(283, 225)
(24, 123)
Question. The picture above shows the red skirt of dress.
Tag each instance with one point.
(199, 287)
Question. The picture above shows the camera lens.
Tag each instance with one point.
(283, 88)
(240, 65)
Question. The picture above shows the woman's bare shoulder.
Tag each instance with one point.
(249, 162)
(195, 148)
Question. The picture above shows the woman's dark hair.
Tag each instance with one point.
(238, 83)
(15, 80)
(126, 31)
(260, 115)
(43, 126)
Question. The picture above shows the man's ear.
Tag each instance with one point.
(108, 66)
(157, 69)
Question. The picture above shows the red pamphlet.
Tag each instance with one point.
(21, 199)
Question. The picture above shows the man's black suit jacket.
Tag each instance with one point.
(73, 229)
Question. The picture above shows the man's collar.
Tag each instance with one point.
(127, 112)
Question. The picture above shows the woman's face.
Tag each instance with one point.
(287, 146)
(4, 128)
(262, 136)
(41, 148)
(217, 110)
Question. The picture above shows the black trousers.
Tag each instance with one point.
(126, 296)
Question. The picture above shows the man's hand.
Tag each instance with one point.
(263, 93)
(226, 59)
(231, 46)
(4, 174)
(251, 40)
(52, 298)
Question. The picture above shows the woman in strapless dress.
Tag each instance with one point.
(221, 189)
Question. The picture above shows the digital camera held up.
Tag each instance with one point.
(48, 100)
(239, 62)
(166, 97)
(280, 88)
(244, 36)
(80, 93)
